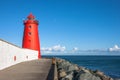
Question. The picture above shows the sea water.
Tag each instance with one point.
(110, 65)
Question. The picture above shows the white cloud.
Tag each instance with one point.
(115, 48)
(56, 48)
(75, 49)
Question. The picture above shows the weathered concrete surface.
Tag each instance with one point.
(29, 70)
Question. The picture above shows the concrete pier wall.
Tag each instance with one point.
(11, 54)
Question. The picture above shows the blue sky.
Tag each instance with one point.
(85, 24)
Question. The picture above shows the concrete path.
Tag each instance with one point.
(30, 70)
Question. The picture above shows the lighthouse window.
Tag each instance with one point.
(30, 27)
(29, 40)
(29, 33)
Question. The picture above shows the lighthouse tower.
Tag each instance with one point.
(31, 35)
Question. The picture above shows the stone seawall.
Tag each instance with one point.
(69, 71)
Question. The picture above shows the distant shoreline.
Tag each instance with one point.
(84, 55)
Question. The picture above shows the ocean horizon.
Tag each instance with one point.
(109, 64)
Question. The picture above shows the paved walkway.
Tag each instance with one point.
(30, 70)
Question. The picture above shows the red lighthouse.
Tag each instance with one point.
(31, 35)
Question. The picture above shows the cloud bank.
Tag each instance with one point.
(56, 48)
(61, 50)
(115, 48)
